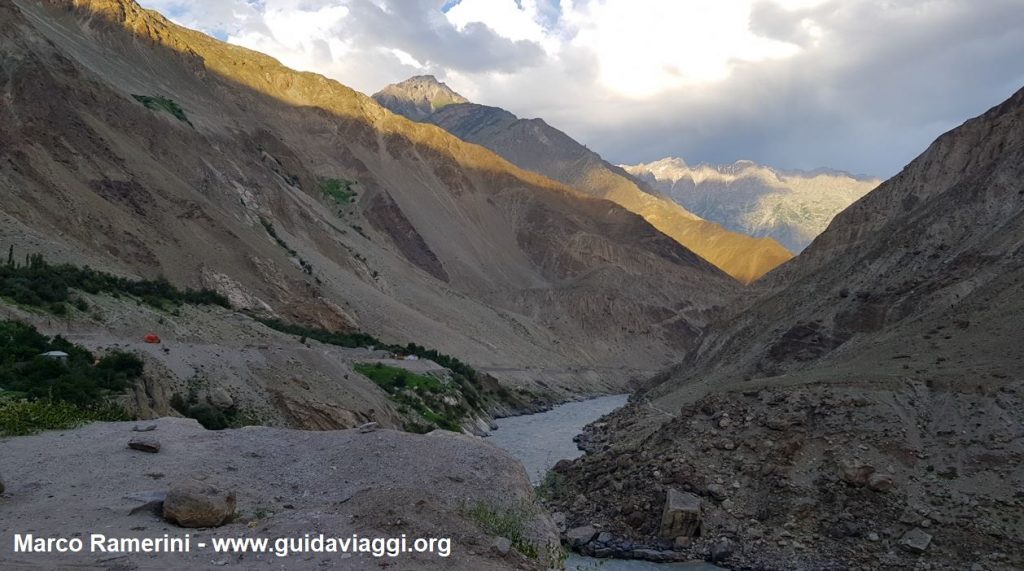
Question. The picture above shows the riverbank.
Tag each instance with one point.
(544, 440)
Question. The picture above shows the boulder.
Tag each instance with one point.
(221, 399)
(682, 514)
(144, 445)
(579, 536)
(855, 473)
(717, 491)
(367, 427)
(916, 540)
(881, 482)
(198, 504)
(722, 550)
(502, 546)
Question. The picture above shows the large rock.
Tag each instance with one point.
(145, 445)
(855, 473)
(682, 514)
(221, 399)
(198, 504)
(916, 540)
(881, 482)
(579, 536)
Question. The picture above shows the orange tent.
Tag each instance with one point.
(151, 338)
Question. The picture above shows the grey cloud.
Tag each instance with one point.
(885, 80)
(418, 27)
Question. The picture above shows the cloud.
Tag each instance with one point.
(862, 85)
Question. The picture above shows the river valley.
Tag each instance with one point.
(541, 440)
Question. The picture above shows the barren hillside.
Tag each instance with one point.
(867, 408)
(534, 145)
(141, 147)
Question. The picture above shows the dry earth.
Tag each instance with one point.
(288, 483)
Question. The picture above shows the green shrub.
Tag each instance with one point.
(160, 103)
(340, 190)
(20, 417)
(208, 416)
(509, 523)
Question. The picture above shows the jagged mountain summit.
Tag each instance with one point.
(534, 145)
(142, 148)
(870, 400)
(792, 207)
(418, 97)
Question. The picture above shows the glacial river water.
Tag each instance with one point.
(540, 440)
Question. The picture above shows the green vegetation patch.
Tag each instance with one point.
(78, 377)
(424, 398)
(510, 523)
(37, 283)
(161, 103)
(396, 379)
(22, 417)
(40, 392)
(441, 404)
(338, 189)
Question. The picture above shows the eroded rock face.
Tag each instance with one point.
(192, 503)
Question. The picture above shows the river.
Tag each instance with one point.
(540, 440)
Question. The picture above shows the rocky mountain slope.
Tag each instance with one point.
(140, 147)
(866, 410)
(790, 206)
(534, 145)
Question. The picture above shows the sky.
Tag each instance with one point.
(857, 85)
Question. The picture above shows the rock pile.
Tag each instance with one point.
(816, 478)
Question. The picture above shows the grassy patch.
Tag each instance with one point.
(441, 404)
(161, 103)
(396, 379)
(37, 283)
(21, 417)
(340, 190)
(509, 523)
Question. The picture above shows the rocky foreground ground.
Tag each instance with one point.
(133, 479)
(807, 477)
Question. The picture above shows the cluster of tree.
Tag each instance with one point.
(79, 378)
(41, 284)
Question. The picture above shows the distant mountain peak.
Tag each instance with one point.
(418, 97)
(792, 206)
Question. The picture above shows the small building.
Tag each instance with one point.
(57, 355)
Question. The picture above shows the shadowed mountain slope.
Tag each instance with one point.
(869, 402)
(136, 145)
(534, 145)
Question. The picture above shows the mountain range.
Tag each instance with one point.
(792, 207)
(142, 148)
(536, 146)
(209, 234)
(877, 374)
